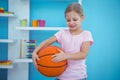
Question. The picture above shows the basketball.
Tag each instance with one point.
(45, 64)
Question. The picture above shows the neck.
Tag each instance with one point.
(75, 32)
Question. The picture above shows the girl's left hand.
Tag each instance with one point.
(59, 57)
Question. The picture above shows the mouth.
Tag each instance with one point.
(71, 26)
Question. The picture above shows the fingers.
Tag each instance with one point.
(34, 62)
(60, 50)
(35, 58)
(55, 59)
(54, 55)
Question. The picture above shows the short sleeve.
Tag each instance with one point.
(88, 37)
(58, 35)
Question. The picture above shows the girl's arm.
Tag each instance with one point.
(41, 46)
(82, 54)
(76, 56)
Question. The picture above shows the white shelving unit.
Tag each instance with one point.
(6, 41)
(6, 15)
(23, 60)
(21, 8)
(6, 66)
(40, 28)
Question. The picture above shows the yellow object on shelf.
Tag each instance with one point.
(8, 62)
(34, 23)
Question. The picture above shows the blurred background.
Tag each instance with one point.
(102, 18)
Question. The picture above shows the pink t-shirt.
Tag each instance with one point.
(69, 43)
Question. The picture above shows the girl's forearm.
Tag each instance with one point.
(77, 56)
(82, 54)
(45, 44)
(42, 45)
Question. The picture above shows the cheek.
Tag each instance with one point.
(78, 22)
(67, 23)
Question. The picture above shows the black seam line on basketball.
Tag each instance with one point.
(46, 55)
(53, 66)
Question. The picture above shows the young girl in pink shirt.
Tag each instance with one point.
(74, 41)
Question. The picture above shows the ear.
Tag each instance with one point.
(82, 17)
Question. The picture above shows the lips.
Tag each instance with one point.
(71, 26)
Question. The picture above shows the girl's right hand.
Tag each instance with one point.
(35, 58)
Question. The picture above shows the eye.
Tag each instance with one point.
(75, 19)
(68, 20)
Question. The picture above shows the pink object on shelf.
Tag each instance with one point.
(41, 23)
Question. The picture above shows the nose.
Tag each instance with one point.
(71, 22)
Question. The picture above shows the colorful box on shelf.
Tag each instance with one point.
(1, 10)
(41, 23)
(5, 12)
(5, 62)
(23, 22)
(30, 46)
(34, 23)
(38, 23)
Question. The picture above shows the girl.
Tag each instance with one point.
(75, 43)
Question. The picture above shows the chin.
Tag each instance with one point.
(73, 29)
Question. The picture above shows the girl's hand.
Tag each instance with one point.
(59, 57)
(35, 58)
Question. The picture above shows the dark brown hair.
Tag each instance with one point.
(74, 7)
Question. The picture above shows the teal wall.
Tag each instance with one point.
(101, 18)
(3, 35)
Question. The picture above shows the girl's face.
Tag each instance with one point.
(73, 20)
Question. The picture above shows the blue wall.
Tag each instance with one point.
(3, 35)
(101, 18)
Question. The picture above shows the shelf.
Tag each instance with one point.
(6, 15)
(6, 66)
(55, 0)
(6, 41)
(40, 28)
(23, 60)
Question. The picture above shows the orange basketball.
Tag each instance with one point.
(45, 64)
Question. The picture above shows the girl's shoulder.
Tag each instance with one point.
(64, 30)
(86, 32)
